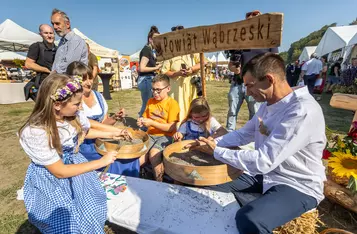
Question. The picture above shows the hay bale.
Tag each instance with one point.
(305, 224)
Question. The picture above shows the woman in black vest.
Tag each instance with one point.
(147, 68)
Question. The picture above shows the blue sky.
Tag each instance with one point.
(123, 25)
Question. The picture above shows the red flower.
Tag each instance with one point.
(326, 154)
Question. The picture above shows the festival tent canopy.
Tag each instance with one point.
(336, 38)
(213, 59)
(8, 55)
(222, 59)
(306, 53)
(135, 57)
(353, 41)
(97, 49)
(13, 37)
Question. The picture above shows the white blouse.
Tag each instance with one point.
(34, 140)
(95, 110)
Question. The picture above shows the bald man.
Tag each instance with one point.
(40, 58)
(41, 55)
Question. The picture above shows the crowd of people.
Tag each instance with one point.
(62, 192)
(321, 76)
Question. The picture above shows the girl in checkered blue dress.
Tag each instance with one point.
(62, 194)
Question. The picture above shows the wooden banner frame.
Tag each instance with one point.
(264, 31)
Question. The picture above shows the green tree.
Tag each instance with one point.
(354, 22)
(312, 39)
(284, 55)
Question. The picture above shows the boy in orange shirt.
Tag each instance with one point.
(160, 117)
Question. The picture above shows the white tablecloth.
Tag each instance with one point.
(151, 207)
(12, 93)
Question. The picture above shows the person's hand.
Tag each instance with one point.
(178, 136)
(202, 144)
(108, 158)
(126, 134)
(158, 66)
(147, 122)
(189, 71)
(182, 72)
(120, 114)
(139, 122)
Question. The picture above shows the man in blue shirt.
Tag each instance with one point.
(71, 46)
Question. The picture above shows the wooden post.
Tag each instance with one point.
(203, 78)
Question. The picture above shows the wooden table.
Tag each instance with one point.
(105, 80)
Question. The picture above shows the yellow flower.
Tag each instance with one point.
(341, 144)
(343, 164)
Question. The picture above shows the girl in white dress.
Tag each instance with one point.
(62, 194)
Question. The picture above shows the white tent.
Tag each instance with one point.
(353, 40)
(97, 49)
(306, 53)
(335, 38)
(13, 37)
(222, 58)
(8, 55)
(213, 59)
(135, 57)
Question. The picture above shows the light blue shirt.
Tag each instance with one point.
(289, 152)
(71, 48)
(312, 67)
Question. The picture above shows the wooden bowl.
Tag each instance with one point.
(125, 151)
(197, 175)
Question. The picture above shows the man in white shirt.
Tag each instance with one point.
(285, 167)
(310, 70)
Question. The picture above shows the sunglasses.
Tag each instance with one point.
(253, 13)
(158, 90)
(176, 28)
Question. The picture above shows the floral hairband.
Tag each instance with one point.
(70, 88)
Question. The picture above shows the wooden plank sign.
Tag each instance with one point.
(264, 31)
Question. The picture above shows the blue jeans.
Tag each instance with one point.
(277, 206)
(236, 96)
(309, 81)
(144, 85)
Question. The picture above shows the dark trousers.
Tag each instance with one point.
(310, 82)
(274, 208)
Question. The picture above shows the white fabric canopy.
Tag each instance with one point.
(353, 41)
(222, 58)
(13, 37)
(8, 55)
(307, 52)
(97, 49)
(135, 57)
(213, 59)
(335, 38)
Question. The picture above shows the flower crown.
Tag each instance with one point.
(70, 88)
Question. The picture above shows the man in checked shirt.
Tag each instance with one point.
(71, 47)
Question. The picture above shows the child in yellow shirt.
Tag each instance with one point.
(160, 117)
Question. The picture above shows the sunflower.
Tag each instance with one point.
(343, 165)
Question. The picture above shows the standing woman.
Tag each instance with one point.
(147, 68)
(181, 70)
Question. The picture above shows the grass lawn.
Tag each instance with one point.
(14, 162)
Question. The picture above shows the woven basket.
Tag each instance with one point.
(337, 179)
